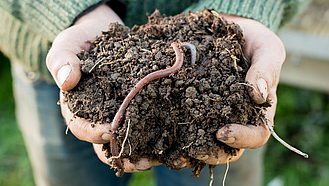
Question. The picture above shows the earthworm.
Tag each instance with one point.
(193, 51)
(154, 75)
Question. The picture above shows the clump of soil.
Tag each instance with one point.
(175, 116)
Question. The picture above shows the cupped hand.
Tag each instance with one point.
(64, 65)
(267, 54)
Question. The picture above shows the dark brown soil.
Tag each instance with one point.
(176, 115)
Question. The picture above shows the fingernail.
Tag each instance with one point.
(106, 136)
(228, 140)
(63, 73)
(262, 87)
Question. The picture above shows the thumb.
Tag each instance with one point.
(62, 60)
(64, 67)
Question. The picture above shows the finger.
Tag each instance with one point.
(243, 136)
(61, 60)
(267, 55)
(266, 52)
(143, 165)
(219, 156)
(84, 129)
(181, 163)
(64, 67)
(249, 136)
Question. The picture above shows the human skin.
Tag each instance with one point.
(262, 47)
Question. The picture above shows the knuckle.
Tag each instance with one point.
(49, 59)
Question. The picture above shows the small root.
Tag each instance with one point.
(187, 146)
(67, 129)
(97, 62)
(215, 100)
(184, 123)
(211, 170)
(129, 147)
(108, 63)
(235, 63)
(123, 144)
(68, 124)
(226, 171)
(145, 50)
(270, 128)
(197, 170)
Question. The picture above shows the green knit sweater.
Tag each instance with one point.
(27, 27)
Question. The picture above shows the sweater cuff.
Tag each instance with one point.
(51, 17)
(268, 12)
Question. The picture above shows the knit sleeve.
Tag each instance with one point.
(272, 13)
(47, 17)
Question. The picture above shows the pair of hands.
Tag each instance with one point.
(262, 46)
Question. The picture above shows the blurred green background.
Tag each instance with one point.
(302, 119)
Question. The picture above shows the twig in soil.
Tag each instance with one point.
(193, 51)
(270, 128)
(154, 75)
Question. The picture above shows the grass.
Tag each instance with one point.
(302, 120)
(15, 167)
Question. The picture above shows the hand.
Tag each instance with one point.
(64, 65)
(267, 54)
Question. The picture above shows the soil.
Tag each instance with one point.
(175, 116)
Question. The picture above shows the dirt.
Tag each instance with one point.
(175, 116)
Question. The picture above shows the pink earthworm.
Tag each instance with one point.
(154, 75)
(193, 51)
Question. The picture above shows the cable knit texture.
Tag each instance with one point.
(29, 26)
